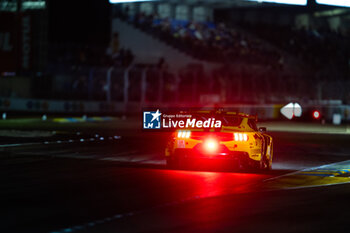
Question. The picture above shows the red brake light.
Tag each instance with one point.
(211, 145)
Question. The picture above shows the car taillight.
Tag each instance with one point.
(183, 134)
(241, 137)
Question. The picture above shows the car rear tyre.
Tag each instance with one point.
(270, 158)
(266, 163)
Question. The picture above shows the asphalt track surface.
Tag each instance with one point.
(106, 183)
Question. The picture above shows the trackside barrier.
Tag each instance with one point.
(56, 106)
(264, 112)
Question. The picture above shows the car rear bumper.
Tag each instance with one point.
(220, 155)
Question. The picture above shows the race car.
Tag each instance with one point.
(238, 141)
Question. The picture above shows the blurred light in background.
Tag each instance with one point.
(297, 110)
(291, 2)
(344, 3)
(287, 111)
(126, 1)
(292, 110)
(11, 6)
(316, 115)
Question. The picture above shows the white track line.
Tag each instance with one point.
(309, 169)
(58, 142)
(306, 169)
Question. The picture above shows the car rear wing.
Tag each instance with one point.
(220, 112)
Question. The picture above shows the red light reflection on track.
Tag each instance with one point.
(157, 186)
(208, 184)
(206, 216)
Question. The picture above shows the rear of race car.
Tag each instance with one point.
(244, 148)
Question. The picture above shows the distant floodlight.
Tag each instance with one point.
(292, 110)
(127, 1)
(287, 111)
(291, 2)
(342, 3)
(297, 110)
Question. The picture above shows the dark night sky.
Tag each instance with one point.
(81, 22)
